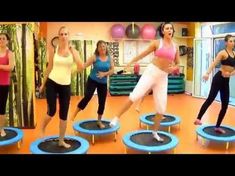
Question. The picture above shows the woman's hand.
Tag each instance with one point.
(41, 88)
(173, 69)
(205, 77)
(101, 75)
(127, 68)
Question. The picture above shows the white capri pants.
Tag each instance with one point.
(157, 80)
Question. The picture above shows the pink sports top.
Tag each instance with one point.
(165, 52)
(4, 75)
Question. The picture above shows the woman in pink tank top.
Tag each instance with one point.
(155, 76)
(6, 65)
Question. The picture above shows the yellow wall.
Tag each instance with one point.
(191, 32)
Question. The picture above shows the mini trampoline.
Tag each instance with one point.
(208, 132)
(168, 121)
(143, 141)
(13, 135)
(49, 145)
(90, 127)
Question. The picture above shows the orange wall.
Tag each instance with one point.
(101, 30)
(91, 31)
(43, 29)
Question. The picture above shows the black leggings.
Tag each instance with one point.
(4, 90)
(90, 89)
(52, 89)
(219, 83)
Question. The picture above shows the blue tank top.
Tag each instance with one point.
(102, 66)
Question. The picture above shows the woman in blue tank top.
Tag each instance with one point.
(103, 66)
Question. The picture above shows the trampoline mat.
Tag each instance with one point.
(9, 135)
(147, 139)
(92, 125)
(228, 132)
(167, 118)
(51, 145)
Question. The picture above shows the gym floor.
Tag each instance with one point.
(182, 105)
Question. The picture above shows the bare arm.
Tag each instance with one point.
(232, 73)
(177, 57)
(48, 70)
(216, 61)
(11, 63)
(89, 62)
(76, 58)
(146, 52)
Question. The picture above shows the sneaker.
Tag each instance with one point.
(219, 130)
(197, 122)
(114, 122)
(157, 137)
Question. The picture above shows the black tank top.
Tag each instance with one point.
(230, 61)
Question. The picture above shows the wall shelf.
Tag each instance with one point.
(184, 37)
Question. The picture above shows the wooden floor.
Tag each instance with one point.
(185, 106)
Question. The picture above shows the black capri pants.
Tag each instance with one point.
(90, 89)
(4, 90)
(63, 91)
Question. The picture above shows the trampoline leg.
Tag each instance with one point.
(227, 145)
(93, 139)
(147, 127)
(18, 144)
(169, 129)
(115, 137)
(140, 124)
(203, 141)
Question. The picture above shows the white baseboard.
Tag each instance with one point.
(189, 87)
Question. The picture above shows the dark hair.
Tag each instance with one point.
(97, 45)
(227, 37)
(161, 27)
(7, 36)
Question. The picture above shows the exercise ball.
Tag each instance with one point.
(118, 31)
(148, 31)
(132, 31)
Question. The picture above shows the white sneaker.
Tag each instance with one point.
(114, 122)
(157, 137)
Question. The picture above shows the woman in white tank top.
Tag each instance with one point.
(58, 80)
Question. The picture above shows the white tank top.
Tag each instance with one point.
(62, 69)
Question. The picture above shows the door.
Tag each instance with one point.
(203, 57)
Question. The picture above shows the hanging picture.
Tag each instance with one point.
(129, 50)
(141, 46)
(113, 48)
(133, 47)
